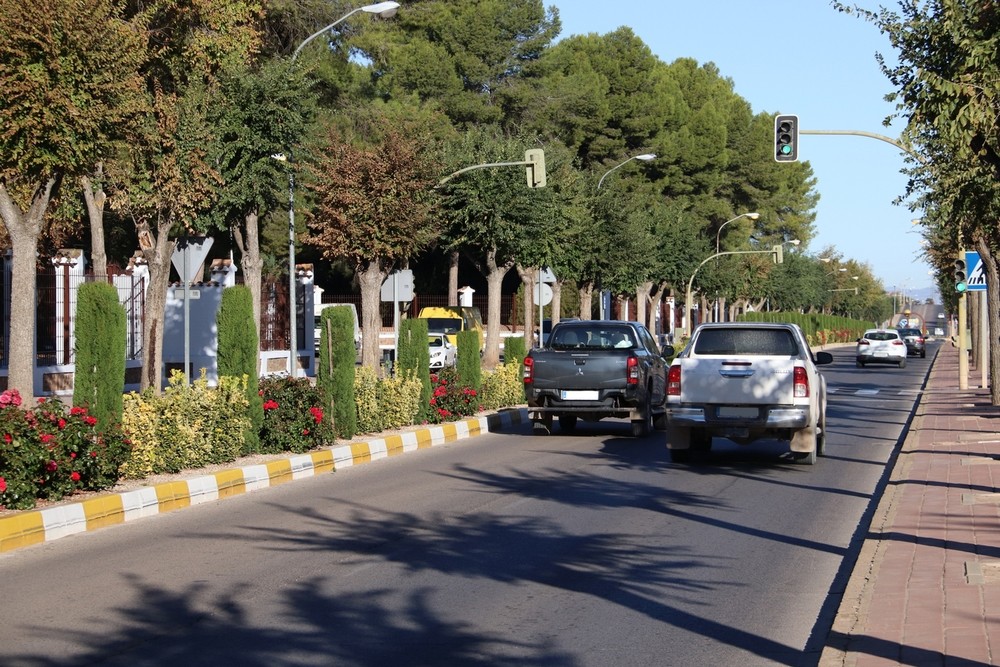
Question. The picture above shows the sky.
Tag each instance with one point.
(799, 57)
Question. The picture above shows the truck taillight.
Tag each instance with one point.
(674, 381)
(529, 370)
(632, 370)
(801, 382)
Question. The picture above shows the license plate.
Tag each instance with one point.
(578, 395)
(881, 353)
(737, 413)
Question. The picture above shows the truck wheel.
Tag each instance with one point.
(805, 443)
(680, 455)
(567, 423)
(821, 436)
(642, 427)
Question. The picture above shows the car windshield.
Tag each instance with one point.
(881, 335)
(746, 341)
(447, 325)
(436, 341)
(909, 332)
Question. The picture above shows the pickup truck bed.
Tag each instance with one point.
(593, 369)
(746, 381)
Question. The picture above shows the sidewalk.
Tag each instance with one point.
(926, 587)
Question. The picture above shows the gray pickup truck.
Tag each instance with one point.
(592, 369)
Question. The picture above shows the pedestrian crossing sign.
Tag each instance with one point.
(977, 274)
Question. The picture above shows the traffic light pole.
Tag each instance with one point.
(963, 355)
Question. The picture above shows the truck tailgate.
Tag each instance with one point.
(753, 380)
(557, 369)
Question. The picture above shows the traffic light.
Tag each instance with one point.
(535, 167)
(777, 254)
(786, 138)
(961, 274)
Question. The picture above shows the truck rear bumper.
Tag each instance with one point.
(785, 418)
(599, 411)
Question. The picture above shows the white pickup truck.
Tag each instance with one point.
(746, 381)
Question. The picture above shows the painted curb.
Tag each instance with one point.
(36, 526)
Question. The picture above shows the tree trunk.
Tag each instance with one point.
(495, 274)
(453, 278)
(252, 265)
(24, 229)
(642, 302)
(157, 256)
(556, 307)
(527, 276)
(95, 213)
(586, 300)
(370, 278)
(654, 310)
(993, 314)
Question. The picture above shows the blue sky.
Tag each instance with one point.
(798, 57)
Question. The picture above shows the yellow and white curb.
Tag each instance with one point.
(36, 526)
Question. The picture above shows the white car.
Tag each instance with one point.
(443, 353)
(881, 346)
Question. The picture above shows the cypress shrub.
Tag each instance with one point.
(238, 355)
(413, 359)
(469, 362)
(99, 382)
(335, 369)
(513, 350)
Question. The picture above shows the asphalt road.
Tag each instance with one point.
(505, 549)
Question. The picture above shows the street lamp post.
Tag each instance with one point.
(645, 157)
(718, 238)
(687, 295)
(385, 10)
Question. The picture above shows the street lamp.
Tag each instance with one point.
(645, 157)
(687, 295)
(385, 10)
(718, 234)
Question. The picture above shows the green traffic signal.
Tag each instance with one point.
(786, 138)
(961, 274)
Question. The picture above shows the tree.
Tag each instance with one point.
(267, 112)
(945, 89)
(68, 72)
(372, 188)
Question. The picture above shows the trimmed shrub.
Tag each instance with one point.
(335, 368)
(469, 364)
(514, 350)
(238, 355)
(385, 403)
(99, 380)
(185, 427)
(451, 397)
(502, 387)
(414, 358)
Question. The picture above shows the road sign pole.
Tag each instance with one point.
(963, 354)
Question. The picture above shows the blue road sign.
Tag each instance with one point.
(975, 271)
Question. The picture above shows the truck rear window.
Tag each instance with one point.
(774, 342)
(594, 338)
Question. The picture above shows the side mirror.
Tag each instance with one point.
(667, 350)
(823, 358)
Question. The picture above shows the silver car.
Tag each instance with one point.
(881, 346)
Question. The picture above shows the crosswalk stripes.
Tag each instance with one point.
(851, 391)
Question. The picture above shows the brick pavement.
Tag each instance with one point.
(926, 587)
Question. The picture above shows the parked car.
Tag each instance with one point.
(881, 346)
(443, 353)
(915, 341)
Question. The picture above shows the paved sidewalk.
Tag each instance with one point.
(926, 587)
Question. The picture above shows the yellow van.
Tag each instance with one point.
(450, 320)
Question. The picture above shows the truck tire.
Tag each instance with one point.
(567, 423)
(642, 427)
(660, 421)
(701, 440)
(806, 443)
(679, 444)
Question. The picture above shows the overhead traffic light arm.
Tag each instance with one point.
(534, 165)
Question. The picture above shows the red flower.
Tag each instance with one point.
(93, 455)
(75, 476)
(72, 455)
(89, 420)
(317, 414)
(3, 485)
(76, 411)
(61, 423)
(7, 438)
(270, 404)
(51, 466)
(46, 438)
(305, 431)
